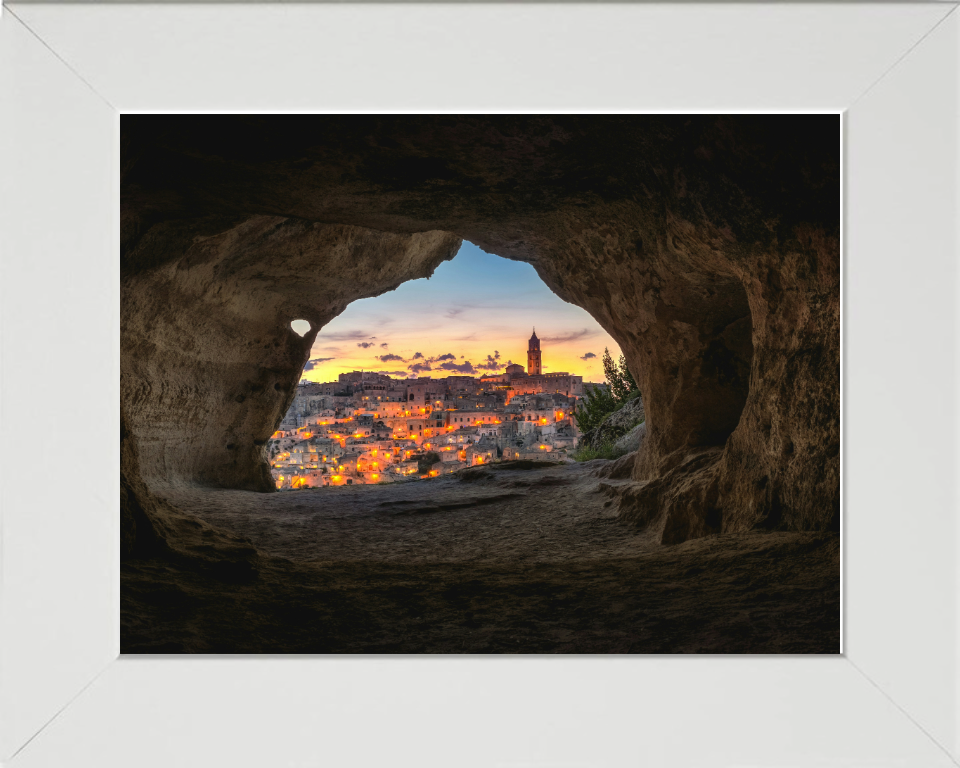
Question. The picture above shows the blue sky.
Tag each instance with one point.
(476, 310)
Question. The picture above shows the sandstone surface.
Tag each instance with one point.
(631, 441)
(509, 558)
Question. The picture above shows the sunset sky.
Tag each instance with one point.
(473, 316)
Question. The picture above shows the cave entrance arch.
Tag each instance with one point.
(664, 228)
(471, 318)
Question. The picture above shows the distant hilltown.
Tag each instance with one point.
(369, 428)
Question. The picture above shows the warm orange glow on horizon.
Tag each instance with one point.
(420, 308)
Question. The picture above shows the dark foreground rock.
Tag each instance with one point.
(501, 560)
(631, 441)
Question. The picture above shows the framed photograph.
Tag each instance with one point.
(142, 129)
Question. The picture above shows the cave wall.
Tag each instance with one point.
(209, 362)
(708, 247)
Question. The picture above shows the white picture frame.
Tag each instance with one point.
(67, 697)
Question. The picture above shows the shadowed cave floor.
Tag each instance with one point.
(510, 561)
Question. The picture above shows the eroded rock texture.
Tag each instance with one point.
(708, 247)
(517, 557)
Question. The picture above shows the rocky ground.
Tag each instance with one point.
(507, 558)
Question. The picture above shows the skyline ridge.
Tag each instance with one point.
(457, 323)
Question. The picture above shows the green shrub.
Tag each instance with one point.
(597, 404)
(593, 408)
(621, 381)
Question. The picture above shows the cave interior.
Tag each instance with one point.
(708, 247)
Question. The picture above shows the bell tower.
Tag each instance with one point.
(533, 356)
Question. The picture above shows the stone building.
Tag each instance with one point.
(366, 427)
(561, 383)
(472, 418)
(425, 392)
(534, 367)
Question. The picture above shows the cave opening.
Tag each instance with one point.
(442, 367)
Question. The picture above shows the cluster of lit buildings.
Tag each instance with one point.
(369, 428)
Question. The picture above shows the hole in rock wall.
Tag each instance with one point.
(722, 372)
(300, 327)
